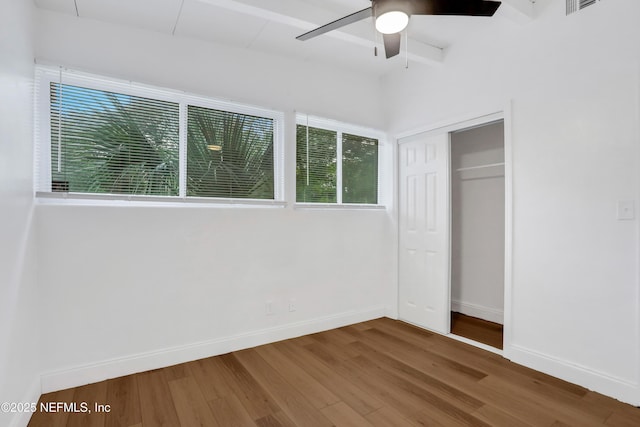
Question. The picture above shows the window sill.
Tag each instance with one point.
(335, 206)
(79, 199)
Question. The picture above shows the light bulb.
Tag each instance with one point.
(392, 22)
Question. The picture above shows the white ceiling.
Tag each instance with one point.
(272, 25)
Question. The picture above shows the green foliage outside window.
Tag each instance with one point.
(317, 167)
(359, 169)
(104, 142)
(316, 176)
(229, 155)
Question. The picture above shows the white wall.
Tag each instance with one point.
(133, 288)
(19, 330)
(478, 222)
(573, 83)
(209, 69)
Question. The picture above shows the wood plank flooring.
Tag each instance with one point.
(378, 373)
(477, 329)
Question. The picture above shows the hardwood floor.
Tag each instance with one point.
(477, 329)
(377, 373)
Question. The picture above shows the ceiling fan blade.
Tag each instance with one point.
(349, 19)
(454, 7)
(391, 44)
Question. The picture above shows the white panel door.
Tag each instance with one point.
(424, 231)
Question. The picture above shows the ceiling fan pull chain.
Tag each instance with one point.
(406, 49)
(375, 38)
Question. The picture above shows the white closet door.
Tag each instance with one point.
(424, 231)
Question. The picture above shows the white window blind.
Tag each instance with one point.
(102, 137)
(316, 165)
(229, 155)
(104, 142)
(335, 163)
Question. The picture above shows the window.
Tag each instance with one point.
(316, 165)
(104, 142)
(359, 169)
(229, 154)
(106, 138)
(335, 163)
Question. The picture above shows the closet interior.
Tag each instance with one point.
(478, 233)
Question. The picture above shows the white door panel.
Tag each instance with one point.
(424, 231)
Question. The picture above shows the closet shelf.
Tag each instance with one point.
(480, 167)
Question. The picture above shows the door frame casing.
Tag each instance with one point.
(461, 123)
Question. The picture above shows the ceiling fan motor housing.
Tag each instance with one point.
(380, 7)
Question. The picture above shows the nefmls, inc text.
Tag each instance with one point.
(73, 407)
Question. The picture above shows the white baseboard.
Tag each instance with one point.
(618, 388)
(32, 395)
(479, 311)
(106, 369)
(391, 312)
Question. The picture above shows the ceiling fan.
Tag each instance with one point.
(392, 16)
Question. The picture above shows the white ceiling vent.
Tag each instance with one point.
(576, 5)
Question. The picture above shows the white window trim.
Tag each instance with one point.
(93, 199)
(340, 128)
(336, 206)
(45, 75)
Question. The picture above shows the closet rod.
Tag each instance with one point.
(480, 167)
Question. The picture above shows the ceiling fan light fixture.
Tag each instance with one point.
(392, 22)
(391, 17)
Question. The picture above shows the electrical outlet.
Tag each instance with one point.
(626, 210)
(269, 308)
(292, 305)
